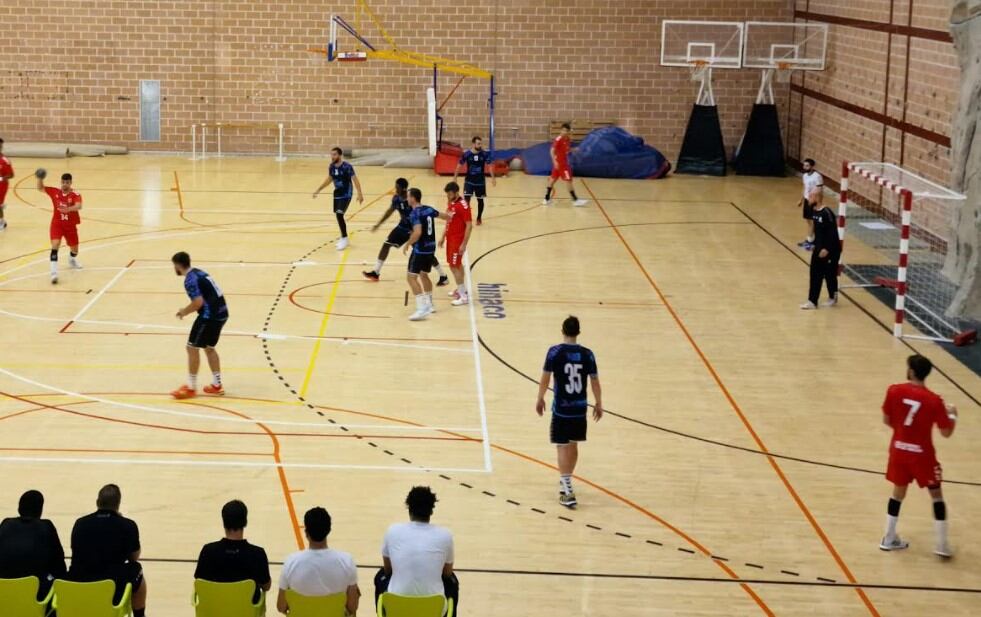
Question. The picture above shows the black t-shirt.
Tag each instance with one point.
(826, 231)
(101, 542)
(229, 561)
(30, 547)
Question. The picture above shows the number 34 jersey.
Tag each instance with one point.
(570, 366)
(912, 411)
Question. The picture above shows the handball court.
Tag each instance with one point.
(739, 466)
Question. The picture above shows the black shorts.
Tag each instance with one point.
(341, 204)
(808, 208)
(562, 431)
(420, 263)
(398, 236)
(205, 332)
(475, 188)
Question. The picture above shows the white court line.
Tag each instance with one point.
(488, 466)
(217, 418)
(198, 463)
(102, 292)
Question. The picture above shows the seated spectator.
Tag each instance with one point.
(106, 545)
(319, 571)
(418, 556)
(29, 545)
(232, 558)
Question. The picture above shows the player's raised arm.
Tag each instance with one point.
(40, 174)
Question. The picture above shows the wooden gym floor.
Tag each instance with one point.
(737, 473)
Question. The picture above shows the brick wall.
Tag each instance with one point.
(889, 91)
(70, 70)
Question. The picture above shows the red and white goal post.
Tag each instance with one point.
(901, 224)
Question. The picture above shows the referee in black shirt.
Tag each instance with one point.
(824, 257)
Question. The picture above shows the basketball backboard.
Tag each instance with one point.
(717, 44)
(787, 46)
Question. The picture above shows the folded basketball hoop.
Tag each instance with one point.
(698, 69)
(352, 56)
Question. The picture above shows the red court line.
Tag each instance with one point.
(319, 312)
(737, 409)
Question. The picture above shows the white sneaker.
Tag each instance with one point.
(453, 294)
(54, 278)
(342, 244)
(419, 315)
(808, 306)
(830, 302)
(580, 202)
(461, 301)
(893, 544)
(3, 224)
(943, 550)
(546, 202)
(74, 263)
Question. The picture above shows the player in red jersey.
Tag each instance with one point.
(561, 168)
(912, 410)
(6, 173)
(64, 219)
(456, 235)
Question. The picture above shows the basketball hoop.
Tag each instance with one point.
(698, 69)
(783, 72)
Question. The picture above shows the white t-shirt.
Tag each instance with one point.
(811, 180)
(318, 572)
(418, 552)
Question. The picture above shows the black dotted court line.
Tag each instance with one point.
(311, 407)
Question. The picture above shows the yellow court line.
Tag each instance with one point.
(323, 323)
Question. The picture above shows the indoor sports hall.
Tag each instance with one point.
(739, 466)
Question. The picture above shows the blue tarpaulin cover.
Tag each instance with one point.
(608, 152)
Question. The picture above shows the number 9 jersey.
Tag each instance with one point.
(570, 366)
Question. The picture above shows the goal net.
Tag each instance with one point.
(896, 227)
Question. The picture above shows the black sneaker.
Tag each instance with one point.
(443, 281)
(371, 275)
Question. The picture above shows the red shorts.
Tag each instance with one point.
(3, 191)
(904, 467)
(565, 173)
(454, 256)
(60, 230)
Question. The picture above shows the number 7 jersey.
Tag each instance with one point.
(570, 366)
(912, 411)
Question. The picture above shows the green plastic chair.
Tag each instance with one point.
(73, 599)
(20, 597)
(392, 605)
(212, 599)
(334, 605)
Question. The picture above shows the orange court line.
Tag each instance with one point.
(112, 451)
(725, 568)
(736, 408)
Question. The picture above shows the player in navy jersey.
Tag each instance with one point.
(342, 175)
(423, 243)
(208, 302)
(570, 364)
(400, 234)
(475, 162)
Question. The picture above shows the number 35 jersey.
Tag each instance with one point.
(570, 366)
